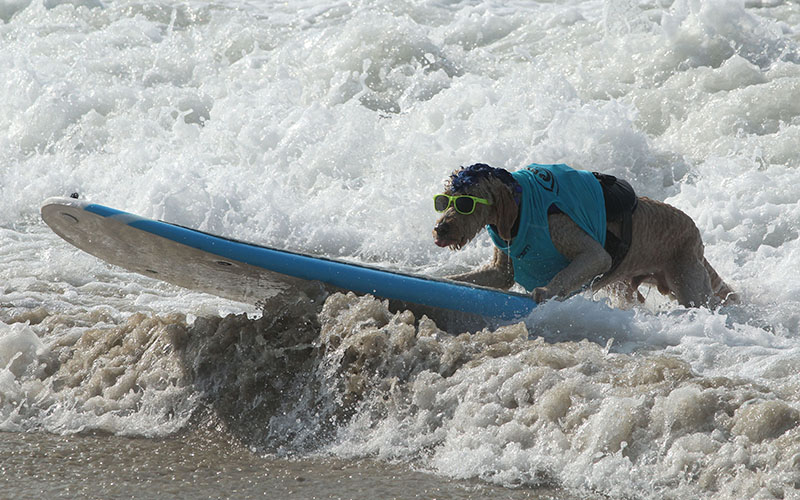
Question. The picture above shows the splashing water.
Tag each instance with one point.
(327, 129)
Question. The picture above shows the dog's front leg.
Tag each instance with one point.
(587, 257)
(499, 273)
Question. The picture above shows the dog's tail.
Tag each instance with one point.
(721, 289)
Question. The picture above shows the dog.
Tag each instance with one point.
(558, 231)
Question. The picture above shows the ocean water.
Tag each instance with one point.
(328, 129)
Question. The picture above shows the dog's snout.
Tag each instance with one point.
(441, 228)
(440, 234)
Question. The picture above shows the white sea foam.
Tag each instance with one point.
(328, 129)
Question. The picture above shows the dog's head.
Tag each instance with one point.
(495, 187)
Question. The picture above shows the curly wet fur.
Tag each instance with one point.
(666, 250)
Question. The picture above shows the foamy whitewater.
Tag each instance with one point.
(327, 129)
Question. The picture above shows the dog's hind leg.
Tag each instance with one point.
(719, 287)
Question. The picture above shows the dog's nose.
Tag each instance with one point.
(440, 236)
(441, 228)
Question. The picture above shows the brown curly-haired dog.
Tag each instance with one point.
(661, 244)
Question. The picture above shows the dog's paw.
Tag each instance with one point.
(542, 294)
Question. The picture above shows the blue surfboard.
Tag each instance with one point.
(248, 272)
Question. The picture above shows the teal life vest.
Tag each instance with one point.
(577, 193)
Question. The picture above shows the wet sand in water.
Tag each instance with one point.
(201, 465)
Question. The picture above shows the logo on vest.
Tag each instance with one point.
(545, 179)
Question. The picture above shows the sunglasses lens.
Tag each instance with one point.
(440, 202)
(464, 205)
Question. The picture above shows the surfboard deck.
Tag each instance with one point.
(252, 273)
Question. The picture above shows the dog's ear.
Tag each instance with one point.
(505, 211)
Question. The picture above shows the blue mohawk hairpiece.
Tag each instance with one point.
(468, 176)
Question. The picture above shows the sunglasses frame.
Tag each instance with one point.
(451, 200)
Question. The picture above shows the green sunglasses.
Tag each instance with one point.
(464, 204)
